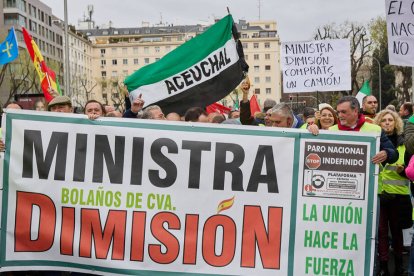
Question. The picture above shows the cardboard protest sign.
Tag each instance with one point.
(400, 31)
(311, 66)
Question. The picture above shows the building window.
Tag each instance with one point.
(146, 60)
(244, 36)
(135, 50)
(256, 56)
(103, 74)
(114, 50)
(256, 79)
(114, 62)
(267, 44)
(245, 45)
(245, 57)
(267, 67)
(103, 62)
(146, 50)
(157, 59)
(114, 73)
(256, 68)
(115, 32)
(267, 26)
(157, 49)
(125, 61)
(135, 61)
(32, 26)
(268, 90)
(267, 56)
(257, 91)
(124, 51)
(268, 79)
(256, 45)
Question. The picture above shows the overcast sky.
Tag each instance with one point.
(297, 19)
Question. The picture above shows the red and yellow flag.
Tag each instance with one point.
(225, 204)
(50, 85)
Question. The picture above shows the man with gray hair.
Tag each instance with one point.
(153, 112)
(281, 115)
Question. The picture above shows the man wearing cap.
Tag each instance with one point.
(60, 104)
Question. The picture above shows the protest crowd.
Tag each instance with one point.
(221, 71)
(394, 156)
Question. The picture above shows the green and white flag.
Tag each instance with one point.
(364, 91)
(198, 73)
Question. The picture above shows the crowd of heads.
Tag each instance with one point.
(347, 113)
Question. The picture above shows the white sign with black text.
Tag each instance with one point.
(400, 30)
(310, 66)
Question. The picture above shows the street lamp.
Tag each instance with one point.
(379, 79)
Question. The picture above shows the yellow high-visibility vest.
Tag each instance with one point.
(390, 181)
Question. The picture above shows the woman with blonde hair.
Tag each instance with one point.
(394, 195)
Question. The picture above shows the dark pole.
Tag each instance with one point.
(317, 98)
(297, 102)
(66, 63)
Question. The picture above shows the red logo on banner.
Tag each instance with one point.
(313, 161)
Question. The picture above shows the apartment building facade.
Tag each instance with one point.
(261, 47)
(81, 67)
(100, 59)
(37, 18)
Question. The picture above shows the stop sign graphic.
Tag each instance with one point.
(313, 161)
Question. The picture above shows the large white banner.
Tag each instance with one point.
(400, 30)
(144, 197)
(311, 66)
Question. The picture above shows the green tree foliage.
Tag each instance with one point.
(21, 77)
(378, 32)
(114, 92)
(360, 48)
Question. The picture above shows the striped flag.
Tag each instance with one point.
(363, 92)
(50, 85)
(200, 72)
